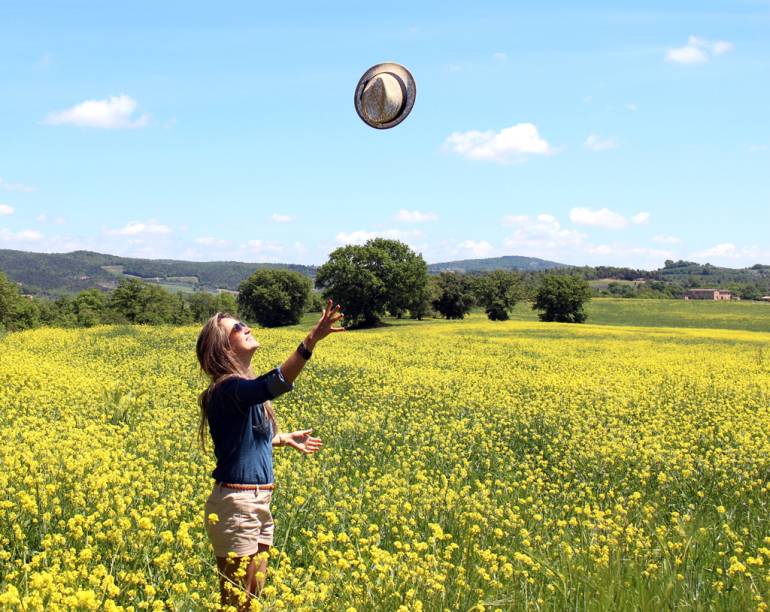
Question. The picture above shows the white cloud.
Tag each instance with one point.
(478, 249)
(723, 249)
(361, 236)
(514, 219)
(631, 106)
(594, 142)
(509, 145)
(278, 218)
(499, 56)
(687, 55)
(542, 235)
(115, 112)
(640, 218)
(7, 236)
(623, 251)
(602, 217)
(414, 216)
(758, 148)
(5, 186)
(5, 209)
(209, 241)
(134, 228)
(731, 254)
(664, 239)
(265, 246)
(41, 218)
(698, 51)
(59, 220)
(721, 46)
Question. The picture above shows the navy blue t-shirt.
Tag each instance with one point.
(240, 429)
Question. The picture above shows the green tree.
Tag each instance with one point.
(274, 297)
(315, 302)
(9, 296)
(17, 312)
(227, 302)
(140, 302)
(561, 297)
(403, 272)
(89, 307)
(422, 305)
(202, 305)
(497, 292)
(380, 276)
(455, 296)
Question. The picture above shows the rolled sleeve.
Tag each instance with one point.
(277, 385)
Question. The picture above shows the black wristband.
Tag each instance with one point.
(304, 352)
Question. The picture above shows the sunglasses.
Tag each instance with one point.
(238, 327)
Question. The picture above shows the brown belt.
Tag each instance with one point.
(247, 487)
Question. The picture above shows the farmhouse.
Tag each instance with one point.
(707, 294)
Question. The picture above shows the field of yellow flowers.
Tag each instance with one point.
(467, 466)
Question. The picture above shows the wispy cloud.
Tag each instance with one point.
(414, 216)
(594, 142)
(732, 253)
(543, 236)
(278, 218)
(480, 248)
(6, 186)
(5, 209)
(605, 218)
(265, 247)
(665, 239)
(27, 235)
(361, 236)
(509, 145)
(116, 112)
(698, 51)
(137, 228)
(210, 241)
(499, 56)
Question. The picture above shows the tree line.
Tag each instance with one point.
(377, 279)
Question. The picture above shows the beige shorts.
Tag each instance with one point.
(243, 521)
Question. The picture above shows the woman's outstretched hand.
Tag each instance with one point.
(325, 326)
(303, 441)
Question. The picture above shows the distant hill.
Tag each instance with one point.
(58, 273)
(67, 273)
(508, 262)
(54, 274)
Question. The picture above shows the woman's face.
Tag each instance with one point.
(242, 343)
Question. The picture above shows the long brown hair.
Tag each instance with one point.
(219, 363)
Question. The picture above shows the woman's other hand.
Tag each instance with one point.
(302, 441)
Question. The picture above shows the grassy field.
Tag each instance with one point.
(753, 316)
(750, 316)
(468, 465)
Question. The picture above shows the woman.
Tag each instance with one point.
(236, 406)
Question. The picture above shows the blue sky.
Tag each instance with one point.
(588, 133)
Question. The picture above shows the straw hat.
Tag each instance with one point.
(385, 95)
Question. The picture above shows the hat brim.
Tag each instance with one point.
(407, 82)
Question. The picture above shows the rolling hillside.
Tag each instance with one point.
(58, 273)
